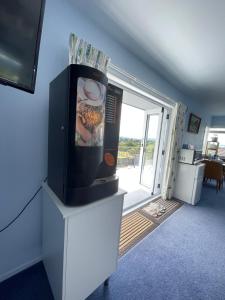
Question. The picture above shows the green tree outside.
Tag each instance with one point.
(129, 149)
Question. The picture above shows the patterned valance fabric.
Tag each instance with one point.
(174, 145)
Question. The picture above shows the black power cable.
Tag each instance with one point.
(23, 209)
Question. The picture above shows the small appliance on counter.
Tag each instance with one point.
(190, 156)
(84, 121)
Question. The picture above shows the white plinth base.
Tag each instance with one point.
(80, 244)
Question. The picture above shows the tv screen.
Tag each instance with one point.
(20, 32)
(194, 123)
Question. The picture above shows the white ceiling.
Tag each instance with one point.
(182, 40)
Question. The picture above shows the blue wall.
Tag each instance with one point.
(23, 128)
(218, 121)
(196, 139)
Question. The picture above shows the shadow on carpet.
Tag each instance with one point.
(31, 284)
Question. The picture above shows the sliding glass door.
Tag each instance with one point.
(150, 147)
(141, 148)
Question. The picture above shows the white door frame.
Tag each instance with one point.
(148, 114)
(164, 136)
(130, 83)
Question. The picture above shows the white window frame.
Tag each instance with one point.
(130, 83)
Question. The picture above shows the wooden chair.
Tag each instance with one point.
(214, 170)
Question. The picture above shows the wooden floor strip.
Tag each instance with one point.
(132, 218)
(134, 226)
(135, 234)
(134, 231)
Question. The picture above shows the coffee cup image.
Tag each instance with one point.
(91, 92)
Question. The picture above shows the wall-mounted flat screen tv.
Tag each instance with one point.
(20, 33)
(194, 123)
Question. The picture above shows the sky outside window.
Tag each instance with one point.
(221, 138)
(132, 123)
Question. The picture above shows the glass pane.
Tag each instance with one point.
(147, 175)
(131, 135)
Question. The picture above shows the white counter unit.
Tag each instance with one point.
(80, 244)
(189, 180)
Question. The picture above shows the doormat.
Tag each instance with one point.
(134, 227)
(158, 210)
(140, 222)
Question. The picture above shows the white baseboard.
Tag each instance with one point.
(19, 269)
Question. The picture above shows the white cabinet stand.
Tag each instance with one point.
(80, 244)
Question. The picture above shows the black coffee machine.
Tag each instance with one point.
(84, 121)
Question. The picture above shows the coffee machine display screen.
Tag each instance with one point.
(90, 113)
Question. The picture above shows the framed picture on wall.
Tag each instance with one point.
(194, 123)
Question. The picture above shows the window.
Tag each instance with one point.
(220, 134)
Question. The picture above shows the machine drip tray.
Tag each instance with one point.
(101, 188)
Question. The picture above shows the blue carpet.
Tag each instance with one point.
(184, 258)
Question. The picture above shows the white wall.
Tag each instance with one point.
(24, 129)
